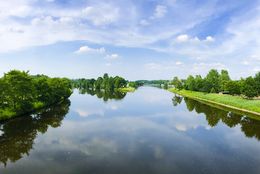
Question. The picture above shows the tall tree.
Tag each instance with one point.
(224, 78)
(213, 81)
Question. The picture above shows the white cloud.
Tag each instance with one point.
(202, 67)
(120, 24)
(101, 14)
(182, 38)
(178, 63)
(187, 38)
(159, 12)
(112, 56)
(209, 39)
(86, 49)
(114, 23)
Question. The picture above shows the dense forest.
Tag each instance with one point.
(216, 82)
(21, 92)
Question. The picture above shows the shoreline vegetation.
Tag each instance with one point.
(236, 103)
(22, 93)
(219, 89)
(105, 83)
(105, 87)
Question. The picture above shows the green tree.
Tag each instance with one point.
(43, 90)
(177, 83)
(199, 83)
(233, 87)
(20, 92)
(190, 83)
(249, 87)
(224, 78)
(3, 93)
(212, 81)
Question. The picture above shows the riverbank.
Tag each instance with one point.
(228, 101)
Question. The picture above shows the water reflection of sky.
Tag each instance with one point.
(143, 133)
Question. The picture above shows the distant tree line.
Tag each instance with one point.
(21, 92)
(155, 83)
(216, 82)
(107, 83)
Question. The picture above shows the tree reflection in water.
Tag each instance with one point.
(250, 127)
(18, 135)
(103, 94)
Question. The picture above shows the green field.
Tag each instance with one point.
(234, 102)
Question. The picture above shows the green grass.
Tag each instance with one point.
(127, 89)
(235, 102)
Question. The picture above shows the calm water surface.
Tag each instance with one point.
(151, 131)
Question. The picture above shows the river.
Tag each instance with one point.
(150, 131)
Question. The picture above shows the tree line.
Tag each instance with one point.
(155, 83)
(107, 83)
(21, 92)
(216, 82)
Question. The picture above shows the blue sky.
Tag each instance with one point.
(137, 39)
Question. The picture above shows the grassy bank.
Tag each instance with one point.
(127, 89)
(233, 102)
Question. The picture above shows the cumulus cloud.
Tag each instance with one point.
(87, 49)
